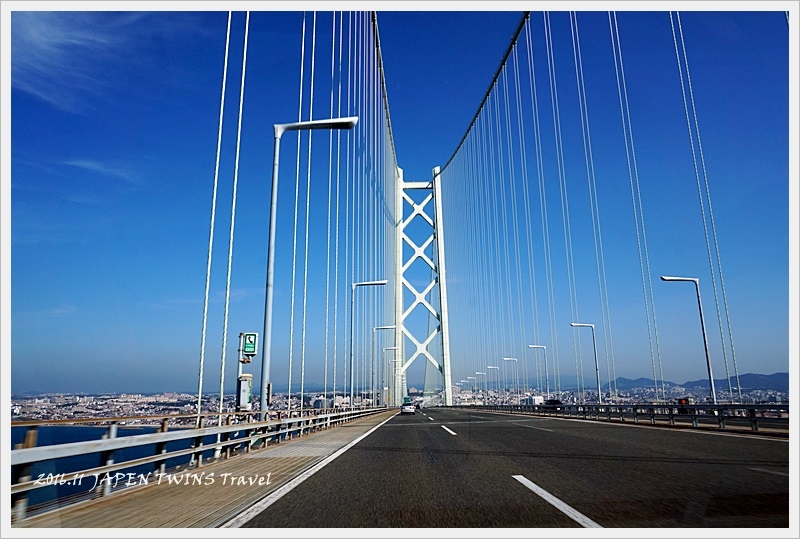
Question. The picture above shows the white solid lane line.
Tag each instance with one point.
(578, 517)
(448, 430)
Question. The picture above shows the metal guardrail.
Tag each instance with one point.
(750, 417)
(239, 434)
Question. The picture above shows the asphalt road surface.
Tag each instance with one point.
(462, 469)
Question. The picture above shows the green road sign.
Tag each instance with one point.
(250, 344)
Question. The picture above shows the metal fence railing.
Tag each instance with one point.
(750, 417)
(132, 459)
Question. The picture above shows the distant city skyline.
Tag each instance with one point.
(568, 384)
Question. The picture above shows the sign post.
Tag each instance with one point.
(248, 347)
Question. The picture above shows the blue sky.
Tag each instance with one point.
(113, 138)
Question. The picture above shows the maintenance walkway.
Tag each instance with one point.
(214, 495)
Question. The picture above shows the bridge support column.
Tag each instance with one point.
(431, 342)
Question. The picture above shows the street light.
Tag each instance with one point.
(516, 375)
(372, 348)
(546, 377)
(696, 282)
(596, 365)
(266, 350)
(352, 301)
(383, 377)
(473, 383)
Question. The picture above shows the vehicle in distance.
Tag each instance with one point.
(553, 403)
(407, 407)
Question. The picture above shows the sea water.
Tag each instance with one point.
(59, 474)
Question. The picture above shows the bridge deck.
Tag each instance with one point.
(208, 501)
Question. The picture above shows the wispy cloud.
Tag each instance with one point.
(72, 60)
(60, 57)
(103, 169)
(61, 310)
(68, 189)
(34, 318)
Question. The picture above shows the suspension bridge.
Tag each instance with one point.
(517, 284)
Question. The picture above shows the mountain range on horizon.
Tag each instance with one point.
(778, 381)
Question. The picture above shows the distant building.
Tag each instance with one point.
(320, 403)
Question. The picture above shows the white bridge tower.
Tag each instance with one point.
(430, 293)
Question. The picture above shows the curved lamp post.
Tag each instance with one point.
(266, 350)
(696, 282)
(596, 365)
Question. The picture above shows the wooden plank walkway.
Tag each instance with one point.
(209, 496)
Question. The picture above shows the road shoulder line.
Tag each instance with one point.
(279, 493)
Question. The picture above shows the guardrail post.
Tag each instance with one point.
(108, 456)
(20, 474)
(160, 466)
(197, 456)
(753, 420)
(247, 434)
(227, 436)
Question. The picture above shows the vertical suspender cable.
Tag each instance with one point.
(363, 233)
(702, 209)
(593, 202)
(494, 221)
(348, 181)
(543, 211)
(213, 212)
(355, 179)
(570, 261)
(503, 215)
(527, 213)
(328, 233)
(633, 173)
(338, 207)
(233, 219)
(515, 227)
(308, 208)
(490, 258)
(296, 209)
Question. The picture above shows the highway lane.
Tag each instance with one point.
(463, 469)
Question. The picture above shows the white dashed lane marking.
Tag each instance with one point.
(575, 515)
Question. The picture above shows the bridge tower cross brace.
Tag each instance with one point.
(433, 297)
